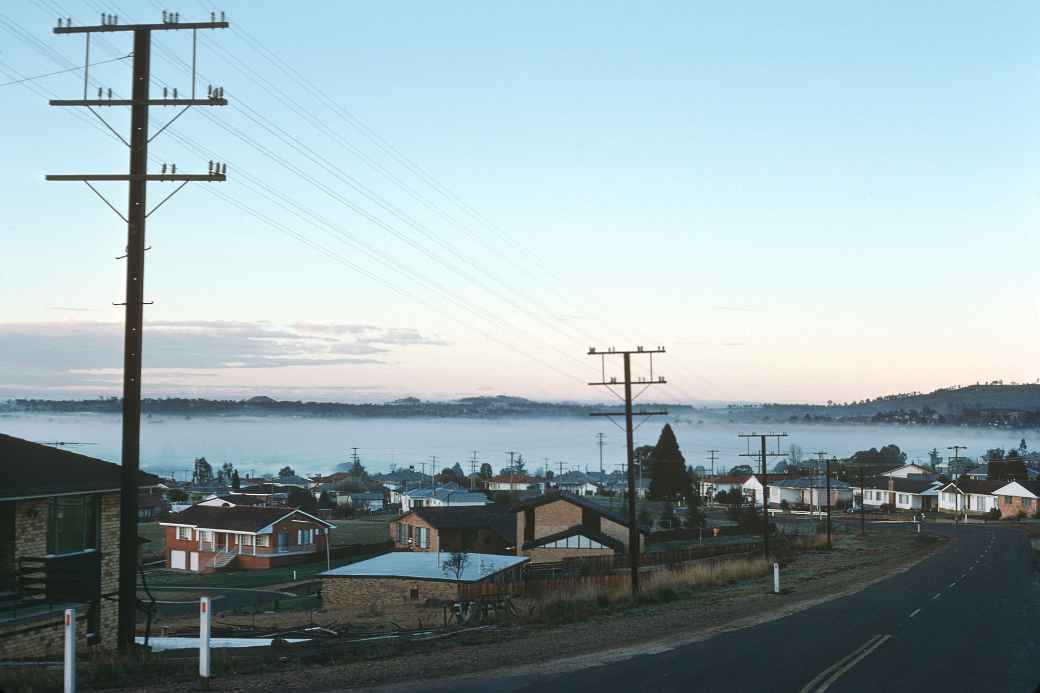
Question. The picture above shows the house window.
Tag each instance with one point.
(305, 536)
(263, 540)
(245, 539)
(413, 594)
(424, 537)
(1008, 500)
(73, 524)
(184, 533)
(206, 535)
(1027, 503)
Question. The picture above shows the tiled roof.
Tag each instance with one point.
(580, 501)
(496, 517)
(30, 470)
(238, 518)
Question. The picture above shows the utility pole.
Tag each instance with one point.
(137, 212)
(765, 478)
(956, 456)
(862, 502)
(512, 470)
(560, 464)
(599, 442)
(829, 504)
(812, 484)
(711, 459)
(628, 382)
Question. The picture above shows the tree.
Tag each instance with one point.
(1023, 449)
(518, 465)
(780, 467)
(455, 565)
(357, 470)
(486, 472)
(225, 472)
(177, 495)
(324, 502)
(996, 470)
(670, 480)
(1016, 467)
(643, 456)
(304, 500)
(933, 458)
(458, 473)
(741, 469)
(286, 471)
(794, 455)
(874, 460)
(236, 483)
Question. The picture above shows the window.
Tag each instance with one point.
(1027, 503)
(1008, 500)
(184, 533)
(245, 539)
(206, 535)
(263, 540)
(72, 524)
(424, 537)
(305, 536)
(413, 594)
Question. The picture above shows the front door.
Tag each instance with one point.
(195, 561)
(283, 542)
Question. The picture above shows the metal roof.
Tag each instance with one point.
(427, 565)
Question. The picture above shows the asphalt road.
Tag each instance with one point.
(965, 619)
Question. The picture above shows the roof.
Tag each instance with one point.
(580, 501)
(33, 470)
(978, 486)
(290, 480)
(238, 499)
(899, 484)
(427, 565)
(496, 517)
(237, 518)
(577, 531)
(513, 479)
(732, 479)
(447, 495)
(365, 496)
(819, 482)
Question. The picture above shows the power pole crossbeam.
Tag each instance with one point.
(137, 212)
(765, 480)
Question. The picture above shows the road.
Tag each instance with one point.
(966, 619)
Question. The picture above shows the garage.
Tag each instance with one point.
(178, 560)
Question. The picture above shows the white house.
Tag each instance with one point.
(577, 483)
(440, 497)
(910, 471)
(511, 482)
(810, 491)
(901, 493)
(969, 496)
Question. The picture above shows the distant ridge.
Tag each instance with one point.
(498, 406)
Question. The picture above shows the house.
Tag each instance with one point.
(748, 484)
(1018, 496)
(577, 483)
(482, 529)
(207, 538)
(900, 493)
(809, 491)
(555, 526)
(369, 501)
(620, 487)
(412, 587)
(231, 499)
(444, 496)
(59, 547)
(968, 496)
(149, 507)
(289, 480)
(512, 482)
(979, 473)
(910, 471)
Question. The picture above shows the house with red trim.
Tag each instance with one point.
(207, 538)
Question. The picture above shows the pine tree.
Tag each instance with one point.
(670, 479)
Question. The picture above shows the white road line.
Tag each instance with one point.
(841, 670)
(952, 584)
(914, 613)
(811, 686)
(937, 595)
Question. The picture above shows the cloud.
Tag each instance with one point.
(41, 356)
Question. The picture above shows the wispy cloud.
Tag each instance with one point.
(84, 354)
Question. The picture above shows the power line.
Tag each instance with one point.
(61, 72)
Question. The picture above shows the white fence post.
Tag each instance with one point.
(70, 651)
(776, 578)
(204, 621)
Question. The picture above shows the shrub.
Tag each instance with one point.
(993, 514)
(785, 506)
(1022, 514)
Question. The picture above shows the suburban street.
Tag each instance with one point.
(963, 620)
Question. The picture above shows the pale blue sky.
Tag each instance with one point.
(805, 202)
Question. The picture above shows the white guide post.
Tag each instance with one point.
(204, 622)
(776, 578)
(70, 651)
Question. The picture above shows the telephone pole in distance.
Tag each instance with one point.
(765, 479)
(137, 179)
(634, 544)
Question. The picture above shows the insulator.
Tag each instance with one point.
(222, 16)
(209, 90)
(177, 18)
(173, 168)
(99, 92)
(211, 165)
(68, 21)
(59, 21)
(104, 19)
(110, 92)
(212, 16)
(164, 16)
(175, 92)
(164, 169)
(223, 168)
(164, 92)
(116, 19)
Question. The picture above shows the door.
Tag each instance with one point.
(195, 561)
(283, 542)
(177, 560)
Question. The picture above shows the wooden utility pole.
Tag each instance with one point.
(764, 454)
(599, 442)
(634, 544)
(137, 179)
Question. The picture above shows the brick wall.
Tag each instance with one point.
(1017, 503)
(40, 638)
(109, 548)
(544, 555)
(414, 521)
(361, 598)
(30, 527)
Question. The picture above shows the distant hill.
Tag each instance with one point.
(983, 404)
(500, 406)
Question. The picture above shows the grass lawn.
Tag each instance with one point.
(368, 530)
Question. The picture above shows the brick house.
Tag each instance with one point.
(968, 496)
(207, 538)
(59, 547)
(556, 526)
(411, 587)
(1018, 496)
(482, 529)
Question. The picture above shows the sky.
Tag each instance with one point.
(802, 202)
